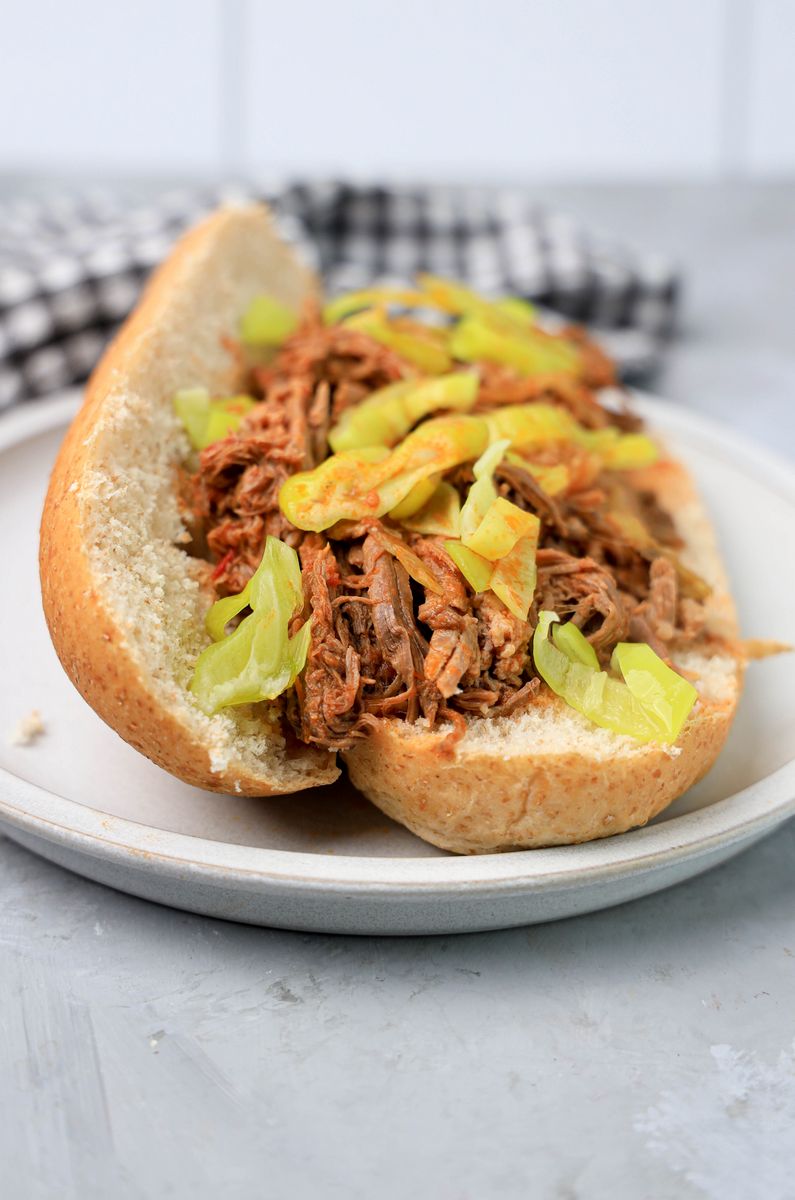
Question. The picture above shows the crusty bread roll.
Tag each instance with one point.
(124, 603)
(548, 776)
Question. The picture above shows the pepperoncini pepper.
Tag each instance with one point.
(267, 322)
(502, 526)
(527, 425)
(258, 660)
(528, 350)
(651, 703)
(420, 345)
(209, 420)
(482, 493)
(348, 487)
(388, 414)
(441, 515)
(515, 574)
(476, 570)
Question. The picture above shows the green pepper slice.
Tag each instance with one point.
(258, 661)
(654, 708)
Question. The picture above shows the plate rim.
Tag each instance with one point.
(734, 819)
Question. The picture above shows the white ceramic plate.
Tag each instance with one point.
(327, 860)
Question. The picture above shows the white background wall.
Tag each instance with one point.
(466, 89)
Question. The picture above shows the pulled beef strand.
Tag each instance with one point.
(503, 641)
(331, 683)
(400, 641)
(453, 655)
(654, 619)
(581, 590)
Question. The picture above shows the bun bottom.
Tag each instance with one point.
(488, 799)
(549, 777)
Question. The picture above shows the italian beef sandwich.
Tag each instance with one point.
(411, 530)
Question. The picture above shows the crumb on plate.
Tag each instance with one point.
(27, 729)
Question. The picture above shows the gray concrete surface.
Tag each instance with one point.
(644, 1053)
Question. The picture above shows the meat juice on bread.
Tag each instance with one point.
(410, 529)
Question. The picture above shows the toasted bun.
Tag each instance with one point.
(550, 777)
(124, 604)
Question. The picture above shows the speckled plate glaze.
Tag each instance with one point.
(326, 860)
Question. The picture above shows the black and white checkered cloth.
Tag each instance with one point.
(71, 267)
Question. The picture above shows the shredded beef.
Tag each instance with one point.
(351, 364)
(500, 386)
(654, 620)
(583, 591)
(453, 655)
(666, 616)
(524, 490)
(366, 656)
(399, 639)
(330, 686)
(598, 371)
(503, 640)
(319, 372)
(658, 522)
(385, 646)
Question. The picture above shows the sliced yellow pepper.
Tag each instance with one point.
(482, 493)
(420, 347)
(654, 708)
(514, 577)
(351, 302)
(528, 425)
(348, 487)
(476, 570)
(511, 314)
(209, 420)
(574, 644)
(518, 309)
(437, 293)
(455, 298)
(222, 612)
(388, 414)
(417, 498)
(501, 528)
(258, 661)
(661, 691)
(534, 424)
(440, 516)
(267, 322)
(552, 480)
(527, 351)
(623, 451)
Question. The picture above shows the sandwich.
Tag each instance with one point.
(413, 532)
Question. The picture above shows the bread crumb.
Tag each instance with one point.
(27, 729)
